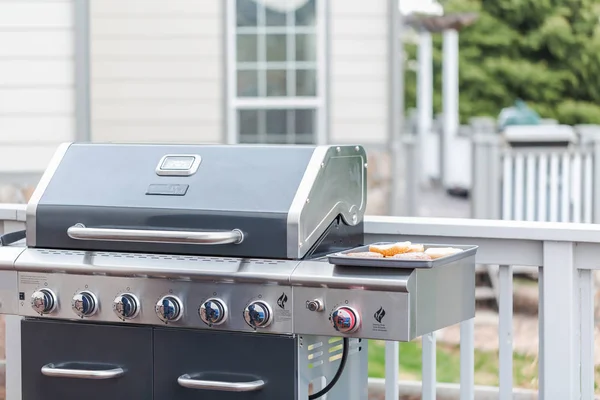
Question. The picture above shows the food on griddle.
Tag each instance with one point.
(412, 256)
(439, 252)
(416, 248)
(365, 254)
(392, 249)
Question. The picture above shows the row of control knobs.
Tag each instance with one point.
(169, 308)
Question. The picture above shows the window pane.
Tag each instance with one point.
(306, 47)
(248, 122)
(277, 122)
(249, 139)
(276, 14)
(304, 139)
(276, 48)
(247, 13)
(276, 82)
(247, 49)
(306, 82)
(307, 14)
(304, 122)
(247, 83)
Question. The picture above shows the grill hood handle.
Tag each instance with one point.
(81, 232)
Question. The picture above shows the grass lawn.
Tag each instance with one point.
(525, 368)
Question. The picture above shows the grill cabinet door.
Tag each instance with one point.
(85, 348)
(195, 358)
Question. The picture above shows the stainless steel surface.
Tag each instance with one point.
(183, 169)
(213, 312)
(81, 232)
(84, 303)
(187, 381)
(388, 262)
(126, 306)
(9, 300)
(345, 319)
(192, 293)
(43, 301)
(55, 371)
(318, 361)
(169, 309)
(258, 314)
(335, 182)
(39, 191)
(217, 269)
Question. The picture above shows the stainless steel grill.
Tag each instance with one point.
(184, 272)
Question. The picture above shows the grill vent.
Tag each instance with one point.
(166, 257)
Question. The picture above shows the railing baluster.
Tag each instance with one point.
(429, 367)
(507, 186)
(392, 370)
(565, 201)
(554, 187)
(467, 360)
(530, 196)
(505, 337)
(558, 321)
(519, 186)
(542, 188)
(576, 181)
(541, 360)
(586, 315)
(588, 189)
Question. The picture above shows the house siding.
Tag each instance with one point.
(359, 71)
(157, 71)
(36, 82)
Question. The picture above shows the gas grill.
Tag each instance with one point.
(183, 272)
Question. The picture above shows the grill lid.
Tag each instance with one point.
(235, 200)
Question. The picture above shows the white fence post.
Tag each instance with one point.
(485, 198)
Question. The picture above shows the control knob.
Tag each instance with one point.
(258, 314)
(345, 319)
(84, 304)
(43, 301)
(126, 306)
(169, 308)
(213, 312)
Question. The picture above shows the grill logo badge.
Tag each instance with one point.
(282, 300)
(379, 314)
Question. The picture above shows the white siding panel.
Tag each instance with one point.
(198, 47)
(16, 129)
(119, 91)
(31, 73)
(26, 157)
(359, 83)
(157, 134)
(155, 70)
(36, 15)
(36, 44)
(140, 8)
(156, 27)
(156, 111)
(37, 101)
(358, 7)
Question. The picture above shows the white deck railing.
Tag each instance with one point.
(565, 254)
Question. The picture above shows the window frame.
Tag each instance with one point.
(319, 102)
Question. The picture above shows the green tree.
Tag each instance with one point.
(546, 52)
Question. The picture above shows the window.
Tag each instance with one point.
(276, 71)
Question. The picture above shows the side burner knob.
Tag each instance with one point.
(258, 314)
(126, 306)
(213, 312)
(43, 301)
(345, 319)
(169, 309)
(84, 304)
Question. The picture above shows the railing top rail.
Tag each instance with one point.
(12, 212)
(483, 228)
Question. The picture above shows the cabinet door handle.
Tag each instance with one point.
(53, 371)
(188, 382)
